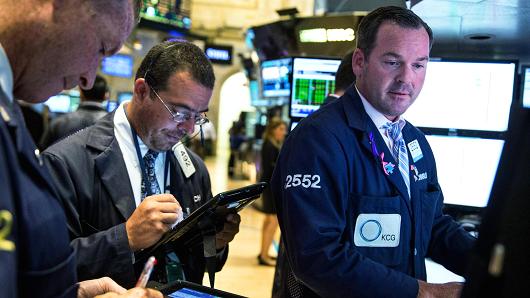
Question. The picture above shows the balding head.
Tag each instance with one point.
(54, 45)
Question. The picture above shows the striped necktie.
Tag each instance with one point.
(399, 150)
(149, 181)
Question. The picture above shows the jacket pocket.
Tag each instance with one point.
(380, 208)
(57, 281)
(429, 203)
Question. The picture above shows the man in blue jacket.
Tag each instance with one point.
(356, 188)
(41, 54)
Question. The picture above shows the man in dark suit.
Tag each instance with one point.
(89, 111)
(122, 181)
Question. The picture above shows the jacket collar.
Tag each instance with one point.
(356, 116)
(27, 153)
(110, 166)
(358, 119)
(91, 105)
(101, 135)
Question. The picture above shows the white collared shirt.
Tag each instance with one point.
(123, 133)
(6, 75)
(379, 119)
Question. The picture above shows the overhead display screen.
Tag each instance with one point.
(465, 95)
(118, 65)
(175, 13)
(276, 77)
(313, 80)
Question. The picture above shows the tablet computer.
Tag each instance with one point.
(215, 209)
(179, 289)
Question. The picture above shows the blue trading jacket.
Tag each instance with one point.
(348, 225)
(36, 259)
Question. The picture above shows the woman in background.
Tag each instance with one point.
(272, 141)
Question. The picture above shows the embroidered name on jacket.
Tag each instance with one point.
(418, 176)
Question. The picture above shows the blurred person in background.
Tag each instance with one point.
(238, 135)
(273, 137)
(89, 111)
(209, 135)
(344, 77)
(203, 145)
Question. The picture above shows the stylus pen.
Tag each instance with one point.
(148, 268)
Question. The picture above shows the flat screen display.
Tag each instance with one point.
(313, 80)
(465, 95)
(219, 54)
(61, 103)
(273, 40)
(111, 105)
(124, 96)
(175, 13)
(255, 97)
(189, 293)
(276, 77)
(466, 168)
(525, 90)
(118, 66)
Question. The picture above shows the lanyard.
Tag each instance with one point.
(142, 164)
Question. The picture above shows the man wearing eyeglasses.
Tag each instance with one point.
(127, 180)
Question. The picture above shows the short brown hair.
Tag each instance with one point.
(369, 25)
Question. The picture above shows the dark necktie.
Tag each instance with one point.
(149, 181)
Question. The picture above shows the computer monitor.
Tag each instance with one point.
(111, 105)
(525, 88)
(124, 96)
(60, 103)
(255, 96)
(276, 78)
(466, 168)
(273, 40)
(166, 14)
(219, 54)
(118, 65)
(313, 80)
(500, 262)
(467, 95)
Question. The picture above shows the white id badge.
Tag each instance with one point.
(377, 230)
(415, 150)
(184, 159)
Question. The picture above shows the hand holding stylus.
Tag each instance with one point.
(146, 273)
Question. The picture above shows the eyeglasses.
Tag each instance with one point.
(184, 115)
